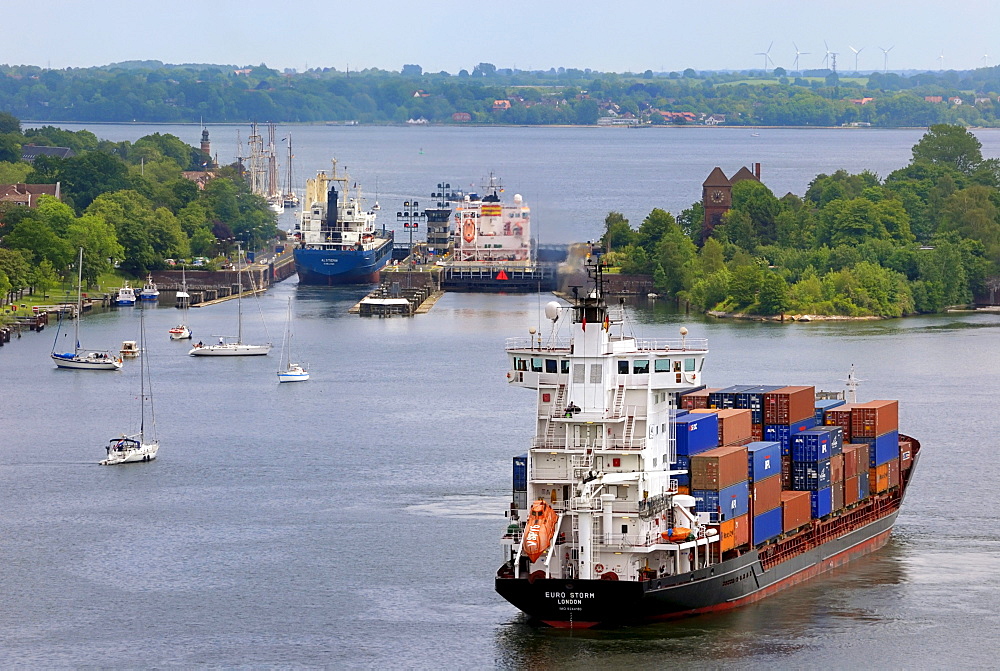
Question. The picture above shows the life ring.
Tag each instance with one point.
(599, 568)
(468, 230)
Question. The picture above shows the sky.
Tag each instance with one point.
(448, 35)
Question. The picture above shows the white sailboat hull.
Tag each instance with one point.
(295, 373)
(131, 455)
(230, 349)
(86, 362)
(180, 333)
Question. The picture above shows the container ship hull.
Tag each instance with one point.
(330, 267)
(729, 584)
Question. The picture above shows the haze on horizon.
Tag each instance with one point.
(451, 35)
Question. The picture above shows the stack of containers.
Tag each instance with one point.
(719, 483)
(855, 473)
(787, 411)
(840, 416)
(744, 397)
(764, 471)
(796, 509)
(695, 400)
(521, 481)
(822, 406)
(734, 426)
(695, 433)
(812, 469)
(877, 424)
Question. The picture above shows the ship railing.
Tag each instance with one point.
(614, 444)
(623, 444)
(527, 343)
(673, 345)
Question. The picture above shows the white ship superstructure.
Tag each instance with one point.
(486, 229)
(603, 448)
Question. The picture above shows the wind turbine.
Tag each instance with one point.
(986, 60)
(941, 60)
(797, 54)
(885, 55)
(826, 59)
(856, 52)
(766, 55)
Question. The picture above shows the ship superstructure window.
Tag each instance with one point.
(579, 373)
(536, 364)
(596, 373)
(640, 366)
(520, 364)
(662, 366)
(623, 367)
(689, 365)
(564, 367)
(551, 366)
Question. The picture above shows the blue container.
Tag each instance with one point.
(682, 464)
(810, 475)
(696, 433)
(764, 459)
(822, 503)
(521, 473)
(683, 479)
(882, 449)
(752, 399)
(767, 526)
(782, 433)
(817, 444)
(725, 398)
(863, 486)
(731, 502)
(823, 406)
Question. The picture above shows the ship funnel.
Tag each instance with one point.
(331, 207)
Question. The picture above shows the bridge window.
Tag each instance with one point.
(662, 366)
(689, 365)
(565, 366)
(536, 365)
(623, 367)
(520, 364)
(551, 366)
(640, 366)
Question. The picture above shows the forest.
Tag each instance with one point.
(923, 239)
(153, 92)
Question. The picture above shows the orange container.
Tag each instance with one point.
(719, 468)
(894, 472)
(734, 425)
(837, 468)
(874, 418)
(796, 509)
(683, 489)
(734, 532)
(789, 405)
(878, 479)
(766, 494)
(851, 491)
(850, 455)
(837, 489)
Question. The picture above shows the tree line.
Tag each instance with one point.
(151, 92)
(127, 204)
(924, 238)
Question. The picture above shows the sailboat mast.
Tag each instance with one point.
(79, 302)
(239, 296)
(142, 376)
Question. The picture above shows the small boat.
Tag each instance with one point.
(539, 529)
(291, 372)
(126, 449)
(229, 345)
(181, 331)
(130, 349)
(126, 295)
(79, 358)
(149, 291)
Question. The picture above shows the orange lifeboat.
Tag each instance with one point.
(539, 530)
(676, 535)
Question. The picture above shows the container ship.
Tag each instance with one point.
(338, 240)
(647, 496)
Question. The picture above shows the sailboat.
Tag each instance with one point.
(139, 446)
(181, 331)
(291, 372)
(289, 197)
(227, 345)
(79, 358)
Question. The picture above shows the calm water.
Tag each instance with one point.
(352, 521)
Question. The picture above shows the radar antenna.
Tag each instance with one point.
(852, 386)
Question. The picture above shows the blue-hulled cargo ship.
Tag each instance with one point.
(338, 240)
(617, 515)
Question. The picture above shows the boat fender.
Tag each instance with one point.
(509, 375)
(599, 568)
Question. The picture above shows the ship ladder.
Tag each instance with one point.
(552, 546)
(559, 405)
(629, 430)
(619, 404)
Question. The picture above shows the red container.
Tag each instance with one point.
(837, 468)
(838, 495)
(765, 494)
(905, 455)
(863, 451)
(796, 509)
(840, 416)
(874, 418)
(893, 473)
(786, 472)
(757, 431)
(851, 491)
(850, 455)
(789, 405)
(696, 399)
(734, 425)
(719, 468)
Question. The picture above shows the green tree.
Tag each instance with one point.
(953, 146)
(773, 298)
(132, 217)
(617, 233)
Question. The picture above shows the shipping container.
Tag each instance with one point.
(878, 479)
(812, 445)
(684, 489)
(789, 405)
(863, 489)
(719, 468)
(841, 416)
(852, 492)
(782, 433)
(863, 450)
(753, 400)
(521, 473)
(796, 509)
(822, 406)
(696, 433)
(695, 399)
(837, 468)
(850, 461)
(822, 503)
(767, 526)
(765, 494)
(786, 472)
(726, 398)
(893, 473)
(683, 479)
(521, 500)
(837, 489)
(725, 504)
(882, 448)
(734, 533)
(810, 475)
(874, 419)
(763, 459)
(734, 425)
(905, 455)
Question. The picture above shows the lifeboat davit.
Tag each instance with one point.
(539, 530)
